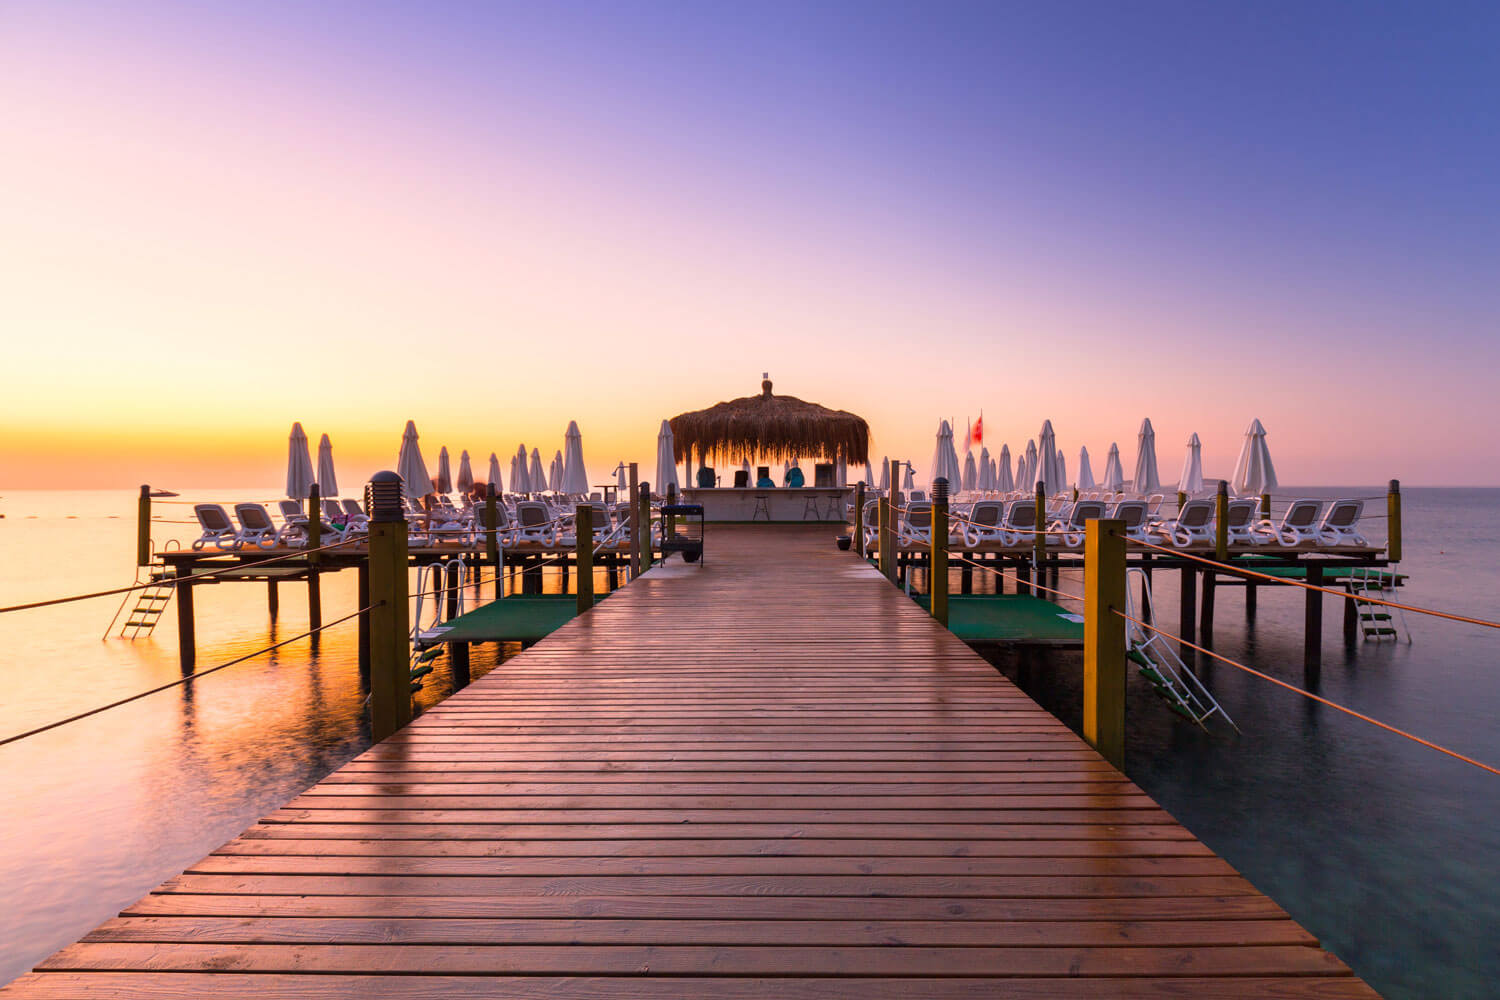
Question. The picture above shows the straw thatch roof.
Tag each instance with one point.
(775, 427)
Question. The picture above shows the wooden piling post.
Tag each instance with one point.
(1104, 639)
(859, 518)
(314, 540)
(1265, 506)
(273, 599)
(1312, 640)
(390, 666)
(1393, 522)
(1039, 532)
(187, 642)
(1181, 500)
(938, 569)
(1221, 522)
(891, 566)
(583, 554)
(634, 513)
(143, 527)
(1187, 622)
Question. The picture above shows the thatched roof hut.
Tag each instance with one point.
(775, 427)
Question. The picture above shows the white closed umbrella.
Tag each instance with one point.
(1114, 472)
(328, 483)
(945, 457)
(666, 459)
(1147, 479)
(1253, 472)
(994, 476)
(1049, 460)
(1033, 467)
(971, 473)
(415, 482)
(1005, 480)
(909, 481)
(299, 469)
(465, 473)
(576, 473)
(445, 473)
(520, 473)
(621, 482)
(536, 475)
(1062, 471)
(1191, 480)
(885, 473)
(1085, 471)
(986, 470)
(745, 468)
(869, 475)
(495, 479)
(555, 479)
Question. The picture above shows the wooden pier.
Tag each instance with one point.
(771, 776)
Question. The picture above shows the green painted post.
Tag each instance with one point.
(1393, 522)
(1181, 500)
(1221, 522)
(1265, 506)
(1104, 639)
(583, 555)
(390, 666)
(143, 528)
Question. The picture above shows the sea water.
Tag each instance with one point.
(1384, 849)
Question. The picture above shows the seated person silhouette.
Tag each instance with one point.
(765, 483)
(794, 478)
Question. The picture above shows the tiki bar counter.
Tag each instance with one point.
(776, 429)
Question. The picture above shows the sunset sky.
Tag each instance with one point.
(492, 218)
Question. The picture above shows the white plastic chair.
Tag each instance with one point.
(218, 529)
(1338, 526)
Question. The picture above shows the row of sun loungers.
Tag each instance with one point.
(1014, 522)
(519, 522)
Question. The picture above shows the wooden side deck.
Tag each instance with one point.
(774, 776)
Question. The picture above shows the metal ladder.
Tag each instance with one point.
(1170, 678)
(150, 602)
(1375, 620)
(440, 577)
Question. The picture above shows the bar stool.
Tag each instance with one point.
(834, 510)
(762, 506)
(811, 507)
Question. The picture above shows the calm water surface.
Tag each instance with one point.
(1384, 849)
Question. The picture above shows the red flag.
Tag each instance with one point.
(977, 435)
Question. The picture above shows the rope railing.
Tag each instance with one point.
(1308, 694)
(173, 581)
(1238, 570)
(184, 679)
(1012, 576)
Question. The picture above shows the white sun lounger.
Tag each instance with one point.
(1339, 525)
(256, 526)
(218, 529)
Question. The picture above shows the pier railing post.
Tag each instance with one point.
(634, 514)
(1221, 522)
(314, 541)
(859, 518)
(883, 520)
(938, 585)
(390, 666)
(646, 549)
(1393, 522)
(491, 547)
(143, 527)
(583, 555)
(1104, 639)
(1181, 499)
(1265, 506)
(1039, 532)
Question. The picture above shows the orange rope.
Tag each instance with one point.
(1308, 694)
(1241, 571)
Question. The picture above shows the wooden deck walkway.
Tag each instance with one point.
(771, 777)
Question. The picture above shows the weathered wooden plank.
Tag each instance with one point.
(773, 777)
